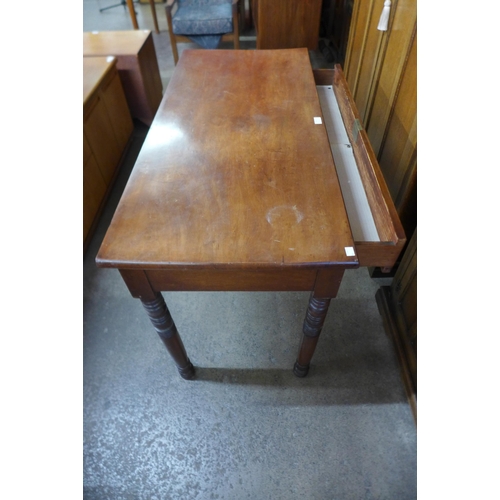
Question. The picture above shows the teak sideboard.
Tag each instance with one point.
(256, 175)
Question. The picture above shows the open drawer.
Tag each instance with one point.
(376, 228)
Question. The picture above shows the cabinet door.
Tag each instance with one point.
(94, 189)
(404, 291)
(99, 132)
(398, 307)
(87, 151)
(118, 112)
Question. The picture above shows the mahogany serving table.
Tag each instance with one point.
(236, 189)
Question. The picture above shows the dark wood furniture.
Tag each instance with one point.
(334, 26)
(236, 189)
(398, 306)
(107, 128)
(227, 37)
(286, 24)
(137, 66)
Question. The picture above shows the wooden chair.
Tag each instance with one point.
(205, 22)
(133, 17)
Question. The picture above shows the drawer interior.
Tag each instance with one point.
(375, 224)
(358, 209)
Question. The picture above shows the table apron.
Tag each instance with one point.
(228, 280)
(145, 283)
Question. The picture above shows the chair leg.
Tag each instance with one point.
(131, 10)
(242, 14)
(153, 13)
(236, 30)
(171, 34)
(174, 49)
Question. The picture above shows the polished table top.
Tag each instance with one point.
(236, 172)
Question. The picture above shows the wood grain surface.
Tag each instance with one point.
(114, 43)
(95, 72)
(234, 171)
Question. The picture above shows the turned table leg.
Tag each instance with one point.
(164, 324)
(313, 323)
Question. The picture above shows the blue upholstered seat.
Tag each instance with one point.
(199, 17)
(204, 21)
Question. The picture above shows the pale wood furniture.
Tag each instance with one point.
(137, 66)
(174, 38)
(107, 128)
(282, 24)
(133, 17)
(398, 306)
(236, 188)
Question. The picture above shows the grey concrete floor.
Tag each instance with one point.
(246, 427)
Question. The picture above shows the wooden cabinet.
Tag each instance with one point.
(398, 307)
(107, 128)
(286, 24)
(137, 66)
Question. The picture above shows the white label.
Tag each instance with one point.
(349, 251)
(317, 120)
